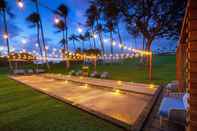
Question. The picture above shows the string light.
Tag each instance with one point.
(114, 43)
(20, 3)
(95, 36)
(5, 35)
(24, 41)
(36, 44)
(80, 30)
(56, 20)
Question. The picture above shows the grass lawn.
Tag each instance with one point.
(164, 69)
(23, 109)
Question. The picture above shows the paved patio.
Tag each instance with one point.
(125, 109)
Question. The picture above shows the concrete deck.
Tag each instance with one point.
(120, 108)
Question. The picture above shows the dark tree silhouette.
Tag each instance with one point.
(34, 19)
(61, 28)
(82, 38)
(73, 38)
(62, 10)
(36, 3)
(153, 18)
(4, 10)
(93, 15)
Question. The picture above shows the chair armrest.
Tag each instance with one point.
(178, 116)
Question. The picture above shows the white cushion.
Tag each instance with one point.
(185, 100)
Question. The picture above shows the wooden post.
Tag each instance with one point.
(150, 66)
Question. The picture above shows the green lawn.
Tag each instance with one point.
(163, 70)
(23, 109)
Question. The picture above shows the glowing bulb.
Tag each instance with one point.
(81, 77)
(37, 45)
(24, 41)
(151, 86)
(47, 47)
(113, 43)
(80, 30)
(117, 91)
(119, 82)
(105, 40)
(95, 36)
(56, 20)
(5, 36)
(20, 4)
(66, 82)
(86, 85)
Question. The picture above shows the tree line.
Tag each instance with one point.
(147, 19)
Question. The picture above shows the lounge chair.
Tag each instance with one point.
(172, 87)
(173, 108)
(95, 74)
(72, 72)
(78, 73)
(105, 75)
(18, 71)
(40, 71)
(30, 71)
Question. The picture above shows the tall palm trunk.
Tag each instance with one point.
(83, 45)
(101, 39)
(74, 45)
(38, 39)
(65, 21)
(94, 38)
(64, 44)
(42, 34)
(90, 42)
(120, 38)
(111, 41)
(7, 39)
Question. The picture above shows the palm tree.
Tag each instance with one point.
(62, 11)
(88, 36)
(36, 2)
(111, 13)
(4, 9)
(82, 38)
(93, 13)
(90, 25)
(61, 28)
(73, 38)
(34, 19)
(110, 29)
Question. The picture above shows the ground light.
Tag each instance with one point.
(117, 91)
(66, 82)
(81, 77)
(86, 85)
(119, 82)
(151, 86)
